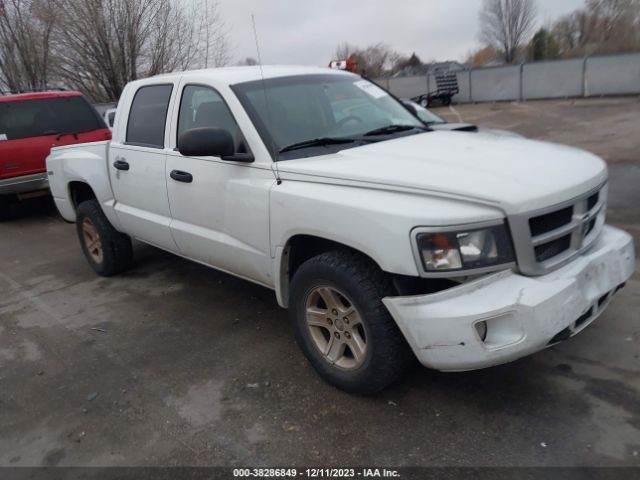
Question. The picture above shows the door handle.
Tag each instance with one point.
(121, 164)
(180, 176)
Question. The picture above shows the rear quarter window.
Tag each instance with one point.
(148, 116)
(47, 116)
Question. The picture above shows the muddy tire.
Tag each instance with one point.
(108, 251)
(341, 324)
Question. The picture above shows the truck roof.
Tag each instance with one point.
(233, 75)
(18, 97)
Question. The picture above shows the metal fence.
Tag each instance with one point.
(582, 77)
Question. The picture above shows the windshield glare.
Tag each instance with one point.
(427, 116)
(296, 109)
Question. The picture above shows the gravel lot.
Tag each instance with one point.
(176, 364)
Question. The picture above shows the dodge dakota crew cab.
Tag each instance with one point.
(386, 241)
(30, 124)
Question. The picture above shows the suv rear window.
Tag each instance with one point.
(47, 116)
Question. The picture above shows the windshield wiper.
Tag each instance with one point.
(392, 129)
(317, 142)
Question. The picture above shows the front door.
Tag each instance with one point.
(220, 209)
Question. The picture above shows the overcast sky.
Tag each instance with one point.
(306, 32)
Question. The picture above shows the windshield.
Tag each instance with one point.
(427, 116)
(47, 116)
(312, 113)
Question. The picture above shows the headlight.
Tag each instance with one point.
(464, 249)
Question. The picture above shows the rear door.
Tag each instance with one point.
(137, 158)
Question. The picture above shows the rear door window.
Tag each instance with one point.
(148, 116)
(47, 116)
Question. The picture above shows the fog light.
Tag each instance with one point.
(481, 328)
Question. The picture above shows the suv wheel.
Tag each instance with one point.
(108, 251)
(341, 324)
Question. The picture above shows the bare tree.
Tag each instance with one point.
(482, 56)
(506, 25)
(211, 35)
(375, 60)
(101, 45)
(249, 61)
(617, 24)
(345, 50)
(574, 33)
(25, 33)
(602, 26)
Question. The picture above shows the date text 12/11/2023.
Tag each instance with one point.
(315, 473)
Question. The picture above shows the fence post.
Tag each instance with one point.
(585, 81)
(470, 86)
(521, 93)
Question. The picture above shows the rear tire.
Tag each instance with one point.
(108, 251)
(341, 324)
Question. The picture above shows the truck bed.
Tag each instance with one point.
(77, 162)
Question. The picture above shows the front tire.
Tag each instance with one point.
(341, 324)
(108, 251)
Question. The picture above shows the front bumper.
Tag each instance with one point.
(24, 184)
(522, 314)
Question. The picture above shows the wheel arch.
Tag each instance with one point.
(80, 191)
(299, 248)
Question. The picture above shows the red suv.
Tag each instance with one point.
(32, 123)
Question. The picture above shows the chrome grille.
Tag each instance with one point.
(549, 238)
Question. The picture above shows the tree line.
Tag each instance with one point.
(599, 27)
(97, 46)
(508, 35)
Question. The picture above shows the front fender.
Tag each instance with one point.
(375, 222)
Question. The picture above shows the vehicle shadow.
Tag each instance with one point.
(492, 389)
(29, 208)
(533, 385)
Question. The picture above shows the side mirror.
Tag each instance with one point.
(210, 142)
(206, 142)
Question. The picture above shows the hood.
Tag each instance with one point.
(516, 174)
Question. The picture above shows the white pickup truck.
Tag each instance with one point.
(382, 237)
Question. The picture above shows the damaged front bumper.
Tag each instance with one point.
(505, 316)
